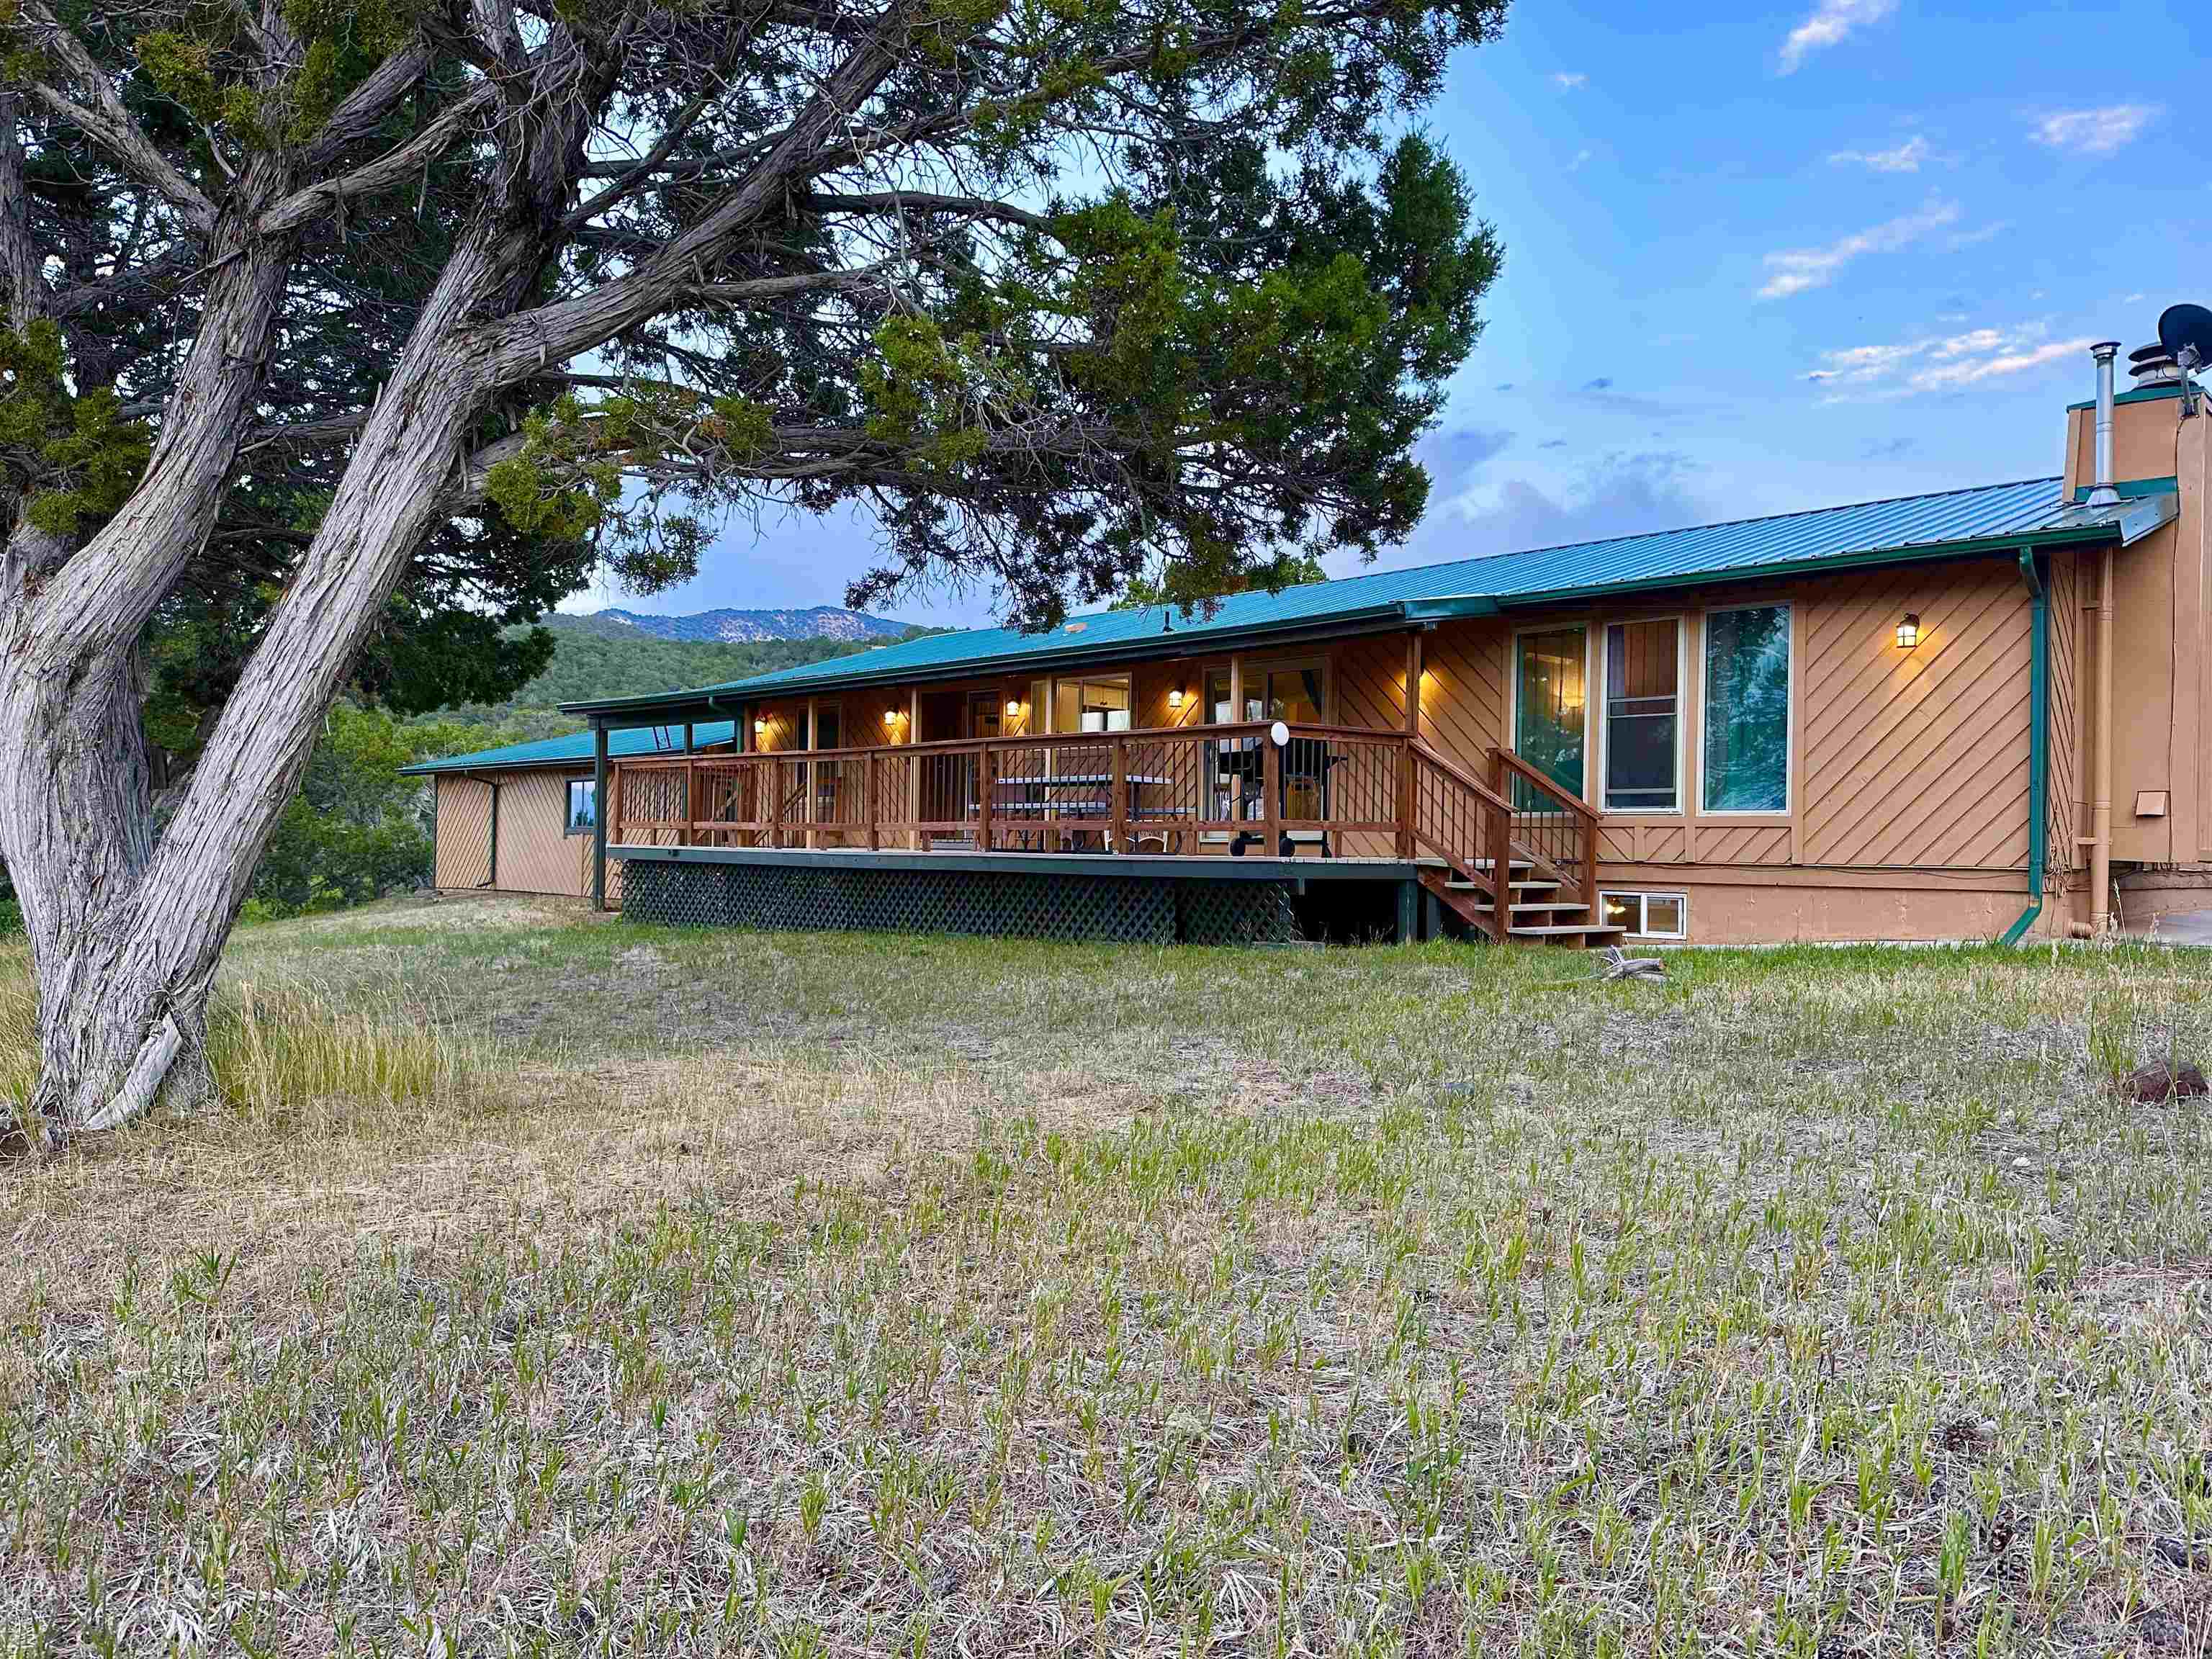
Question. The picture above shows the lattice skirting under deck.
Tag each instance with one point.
(1013, 904)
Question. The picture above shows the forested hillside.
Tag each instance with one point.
(596, 658)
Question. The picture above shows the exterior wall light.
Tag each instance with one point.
(890, 717)
(1013, 708)
(1908, 632)
(760, 727)
(1174, 698)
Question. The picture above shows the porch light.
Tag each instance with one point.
(890, 717)
(1174, 698)
(1013, 708)
(760, 728)
(1908, 632)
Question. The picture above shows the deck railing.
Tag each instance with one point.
(1307, 790)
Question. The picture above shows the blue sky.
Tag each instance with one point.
(1756, 259)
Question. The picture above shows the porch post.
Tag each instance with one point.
(1415, 650)
(915, 839)
(1271, 795)
(1415, 643)
(598, 814)
(985, 785)
(1117, 798)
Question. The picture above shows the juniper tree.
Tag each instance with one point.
(308, 301)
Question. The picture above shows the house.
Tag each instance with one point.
(1980, 713)
(519, 820)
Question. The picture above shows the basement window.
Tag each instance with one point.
(1648, 915)
(583, 806)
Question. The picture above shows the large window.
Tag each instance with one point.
(583, 806)
(1285, 691)
(1548, 709)
(1643, 728)
(1099, 704)
(1746, 711)
(1293, 691)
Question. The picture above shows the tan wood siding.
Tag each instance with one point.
(2068, 815)
(534, 855)
(1919, 757)
(463, 833)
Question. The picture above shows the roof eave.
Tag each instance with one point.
(1918, 553)
(1363, 619)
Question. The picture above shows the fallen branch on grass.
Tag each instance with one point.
(1618, 965)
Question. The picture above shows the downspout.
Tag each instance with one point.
(2102, 493)
(2100, 815)
(2039, 757)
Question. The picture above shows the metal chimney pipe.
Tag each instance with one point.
(2102, 493)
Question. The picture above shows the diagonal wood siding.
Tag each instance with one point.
(463, 833)
(2069, 811)
(1920, 757)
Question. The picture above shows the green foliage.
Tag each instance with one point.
(560, 484)
(1291, 570)
(75, 454)
(592, 659)
(356, 829)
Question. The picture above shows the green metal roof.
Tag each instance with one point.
(1995, 517)
(627, 743)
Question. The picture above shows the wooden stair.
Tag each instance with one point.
(1535, 912)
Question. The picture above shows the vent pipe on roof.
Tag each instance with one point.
(2102, 493)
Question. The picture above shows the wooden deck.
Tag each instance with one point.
(1261, 801)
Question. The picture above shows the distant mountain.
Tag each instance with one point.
(820, 621)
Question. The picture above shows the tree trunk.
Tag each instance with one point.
(119, 1015)
(126, 933)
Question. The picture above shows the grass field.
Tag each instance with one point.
(549, 1287)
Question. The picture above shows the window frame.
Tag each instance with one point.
(1788, 810)
(1590, 626)
(1643, 896)
(1126, 677)
(569, 824)
(1260, 667)
(1600, 743)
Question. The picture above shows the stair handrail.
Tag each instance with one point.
(1504, 761)
(1493, 820)
(1466, 780)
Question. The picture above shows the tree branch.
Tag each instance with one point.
(394, 167)
(924, 201)
(529, 340)
(365, 107)
(107, 123)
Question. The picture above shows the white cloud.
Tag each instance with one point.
(2093, 131)
(1906, 158)
(2010, 361)
(1937, 362)
(1570, 80)
(1831, 21)
(1581, 156)
(1794, 269)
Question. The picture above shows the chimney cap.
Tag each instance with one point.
(2105, 348)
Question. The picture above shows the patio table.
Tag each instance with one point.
(1044, 796)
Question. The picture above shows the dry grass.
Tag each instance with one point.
(582, 1289)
